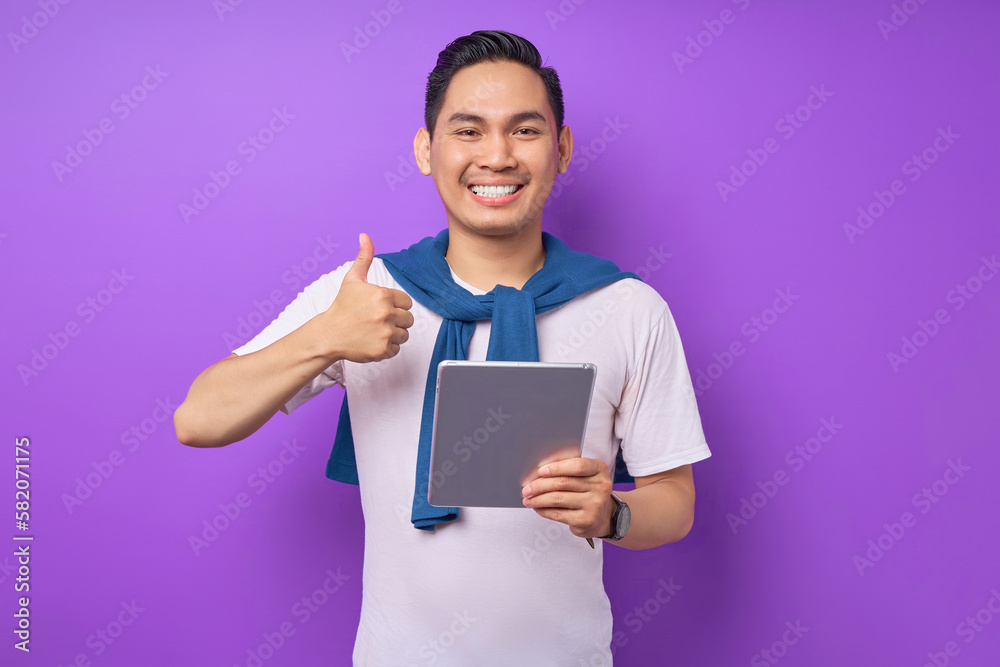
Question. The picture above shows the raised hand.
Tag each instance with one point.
(369, 322)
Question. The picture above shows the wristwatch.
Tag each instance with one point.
(619, 519)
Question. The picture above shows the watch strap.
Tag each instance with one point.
(613, 535)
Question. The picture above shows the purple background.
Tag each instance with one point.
(654, 187)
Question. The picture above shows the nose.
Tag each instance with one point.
(497, 152)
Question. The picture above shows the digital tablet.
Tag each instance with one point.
(495, 422)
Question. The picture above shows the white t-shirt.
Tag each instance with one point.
(499, 586)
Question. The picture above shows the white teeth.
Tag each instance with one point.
(494, 190)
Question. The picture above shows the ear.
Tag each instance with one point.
(422, 151)
(565, 148)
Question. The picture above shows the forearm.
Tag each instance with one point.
(662, 512)
(234, 397)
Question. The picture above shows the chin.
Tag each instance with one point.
(496, 227)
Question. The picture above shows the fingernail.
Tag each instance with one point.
(526, 491)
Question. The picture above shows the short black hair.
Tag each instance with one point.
(487, 46)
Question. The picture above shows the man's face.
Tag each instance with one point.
(495, 152)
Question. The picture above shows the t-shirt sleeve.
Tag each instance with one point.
(310, 302)
(657, 419)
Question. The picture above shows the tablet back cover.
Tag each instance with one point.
(495, 422)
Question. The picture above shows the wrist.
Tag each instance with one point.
(621, 517)
(327, 339)
(608, 525)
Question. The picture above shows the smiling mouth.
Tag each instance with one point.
(494, 190)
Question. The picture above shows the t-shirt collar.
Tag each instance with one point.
(462, 283)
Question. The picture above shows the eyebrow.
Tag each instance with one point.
(513, 119)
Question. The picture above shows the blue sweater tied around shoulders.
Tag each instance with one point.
(424, 274)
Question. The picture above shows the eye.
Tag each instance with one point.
(466, 133)
(527, 130)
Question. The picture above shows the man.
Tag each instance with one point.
(486, 585)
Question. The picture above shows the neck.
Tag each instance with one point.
(486, 261)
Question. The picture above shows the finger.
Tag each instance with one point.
(572, 467)
(402, 318)
(366, 252)
(543, 485)
(557, 500)
(568, 452)
(401, 299)
(399, 336)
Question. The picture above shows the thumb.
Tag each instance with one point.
(359, 270)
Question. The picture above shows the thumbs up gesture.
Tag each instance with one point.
(369, 322)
